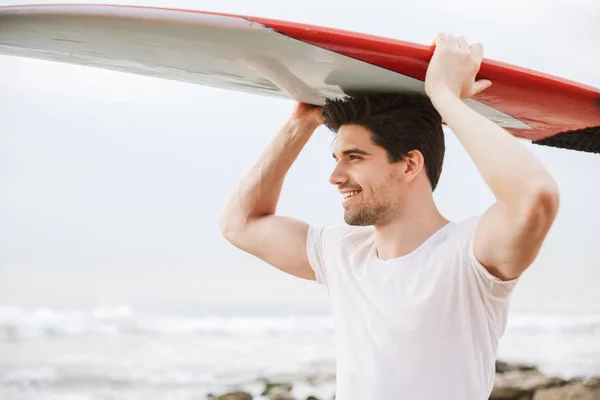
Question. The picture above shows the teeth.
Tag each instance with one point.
(350, 194)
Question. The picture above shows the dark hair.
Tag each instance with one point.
(398, 122)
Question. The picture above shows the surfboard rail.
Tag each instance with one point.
(546, 109)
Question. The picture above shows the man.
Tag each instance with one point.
(419, 302)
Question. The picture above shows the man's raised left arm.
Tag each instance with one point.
(511, 232)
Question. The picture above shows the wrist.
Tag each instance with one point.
(445, 101)
(441, 94)
(302, 124)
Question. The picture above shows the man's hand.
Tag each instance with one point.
(453, 68)
(308, 113)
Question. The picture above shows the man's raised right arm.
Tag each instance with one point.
(249, 221)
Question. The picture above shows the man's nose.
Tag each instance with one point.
(338, 175)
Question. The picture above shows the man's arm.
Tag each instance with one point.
(511, 232)
(249, 221)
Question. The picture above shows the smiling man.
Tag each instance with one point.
(419, 302)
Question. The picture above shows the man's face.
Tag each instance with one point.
(371, 186)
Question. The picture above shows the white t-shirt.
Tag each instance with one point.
(422, 326)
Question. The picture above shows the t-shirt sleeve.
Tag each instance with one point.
(324, 246)
(316, 245)
(494, 293)
(490, 286)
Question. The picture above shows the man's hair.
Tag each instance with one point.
(398, 122)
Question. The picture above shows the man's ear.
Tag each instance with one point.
(413, 163)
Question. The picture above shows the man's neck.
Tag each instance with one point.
(406, 234)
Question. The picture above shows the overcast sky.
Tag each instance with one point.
(111, 184)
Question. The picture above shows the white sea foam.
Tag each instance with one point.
(44, 350)
(545, 323)
(16, 323)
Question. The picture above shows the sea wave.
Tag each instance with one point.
(118, 373)
(90, 376)
(551, 323)
(17, 323)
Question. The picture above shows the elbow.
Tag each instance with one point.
(228, 229)
(223, 225)
(543, 204)
(234, 227)
(228, 225)
(547, 198)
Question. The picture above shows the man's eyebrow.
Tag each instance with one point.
(354, 150)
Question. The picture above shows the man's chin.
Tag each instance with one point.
(356, 219)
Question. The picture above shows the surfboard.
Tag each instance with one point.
(289, 60)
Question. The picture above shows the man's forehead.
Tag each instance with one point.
(349, 136)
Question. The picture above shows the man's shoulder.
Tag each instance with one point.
(470, 221)
(326, 242)
(455, 238)
(334, 234)
(463, 229)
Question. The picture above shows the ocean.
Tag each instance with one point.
(122, 352)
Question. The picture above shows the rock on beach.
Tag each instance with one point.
(514, 381)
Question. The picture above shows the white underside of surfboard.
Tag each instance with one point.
(219, 51)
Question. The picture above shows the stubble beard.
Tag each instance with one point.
(383, 208)
(364, 216)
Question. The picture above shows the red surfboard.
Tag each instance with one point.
(289, 60)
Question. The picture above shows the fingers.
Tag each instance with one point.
(440, 40)
(480, 85)
(477, 50)
(450, 41)
(462, 43)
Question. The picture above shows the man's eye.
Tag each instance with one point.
(353, 157)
